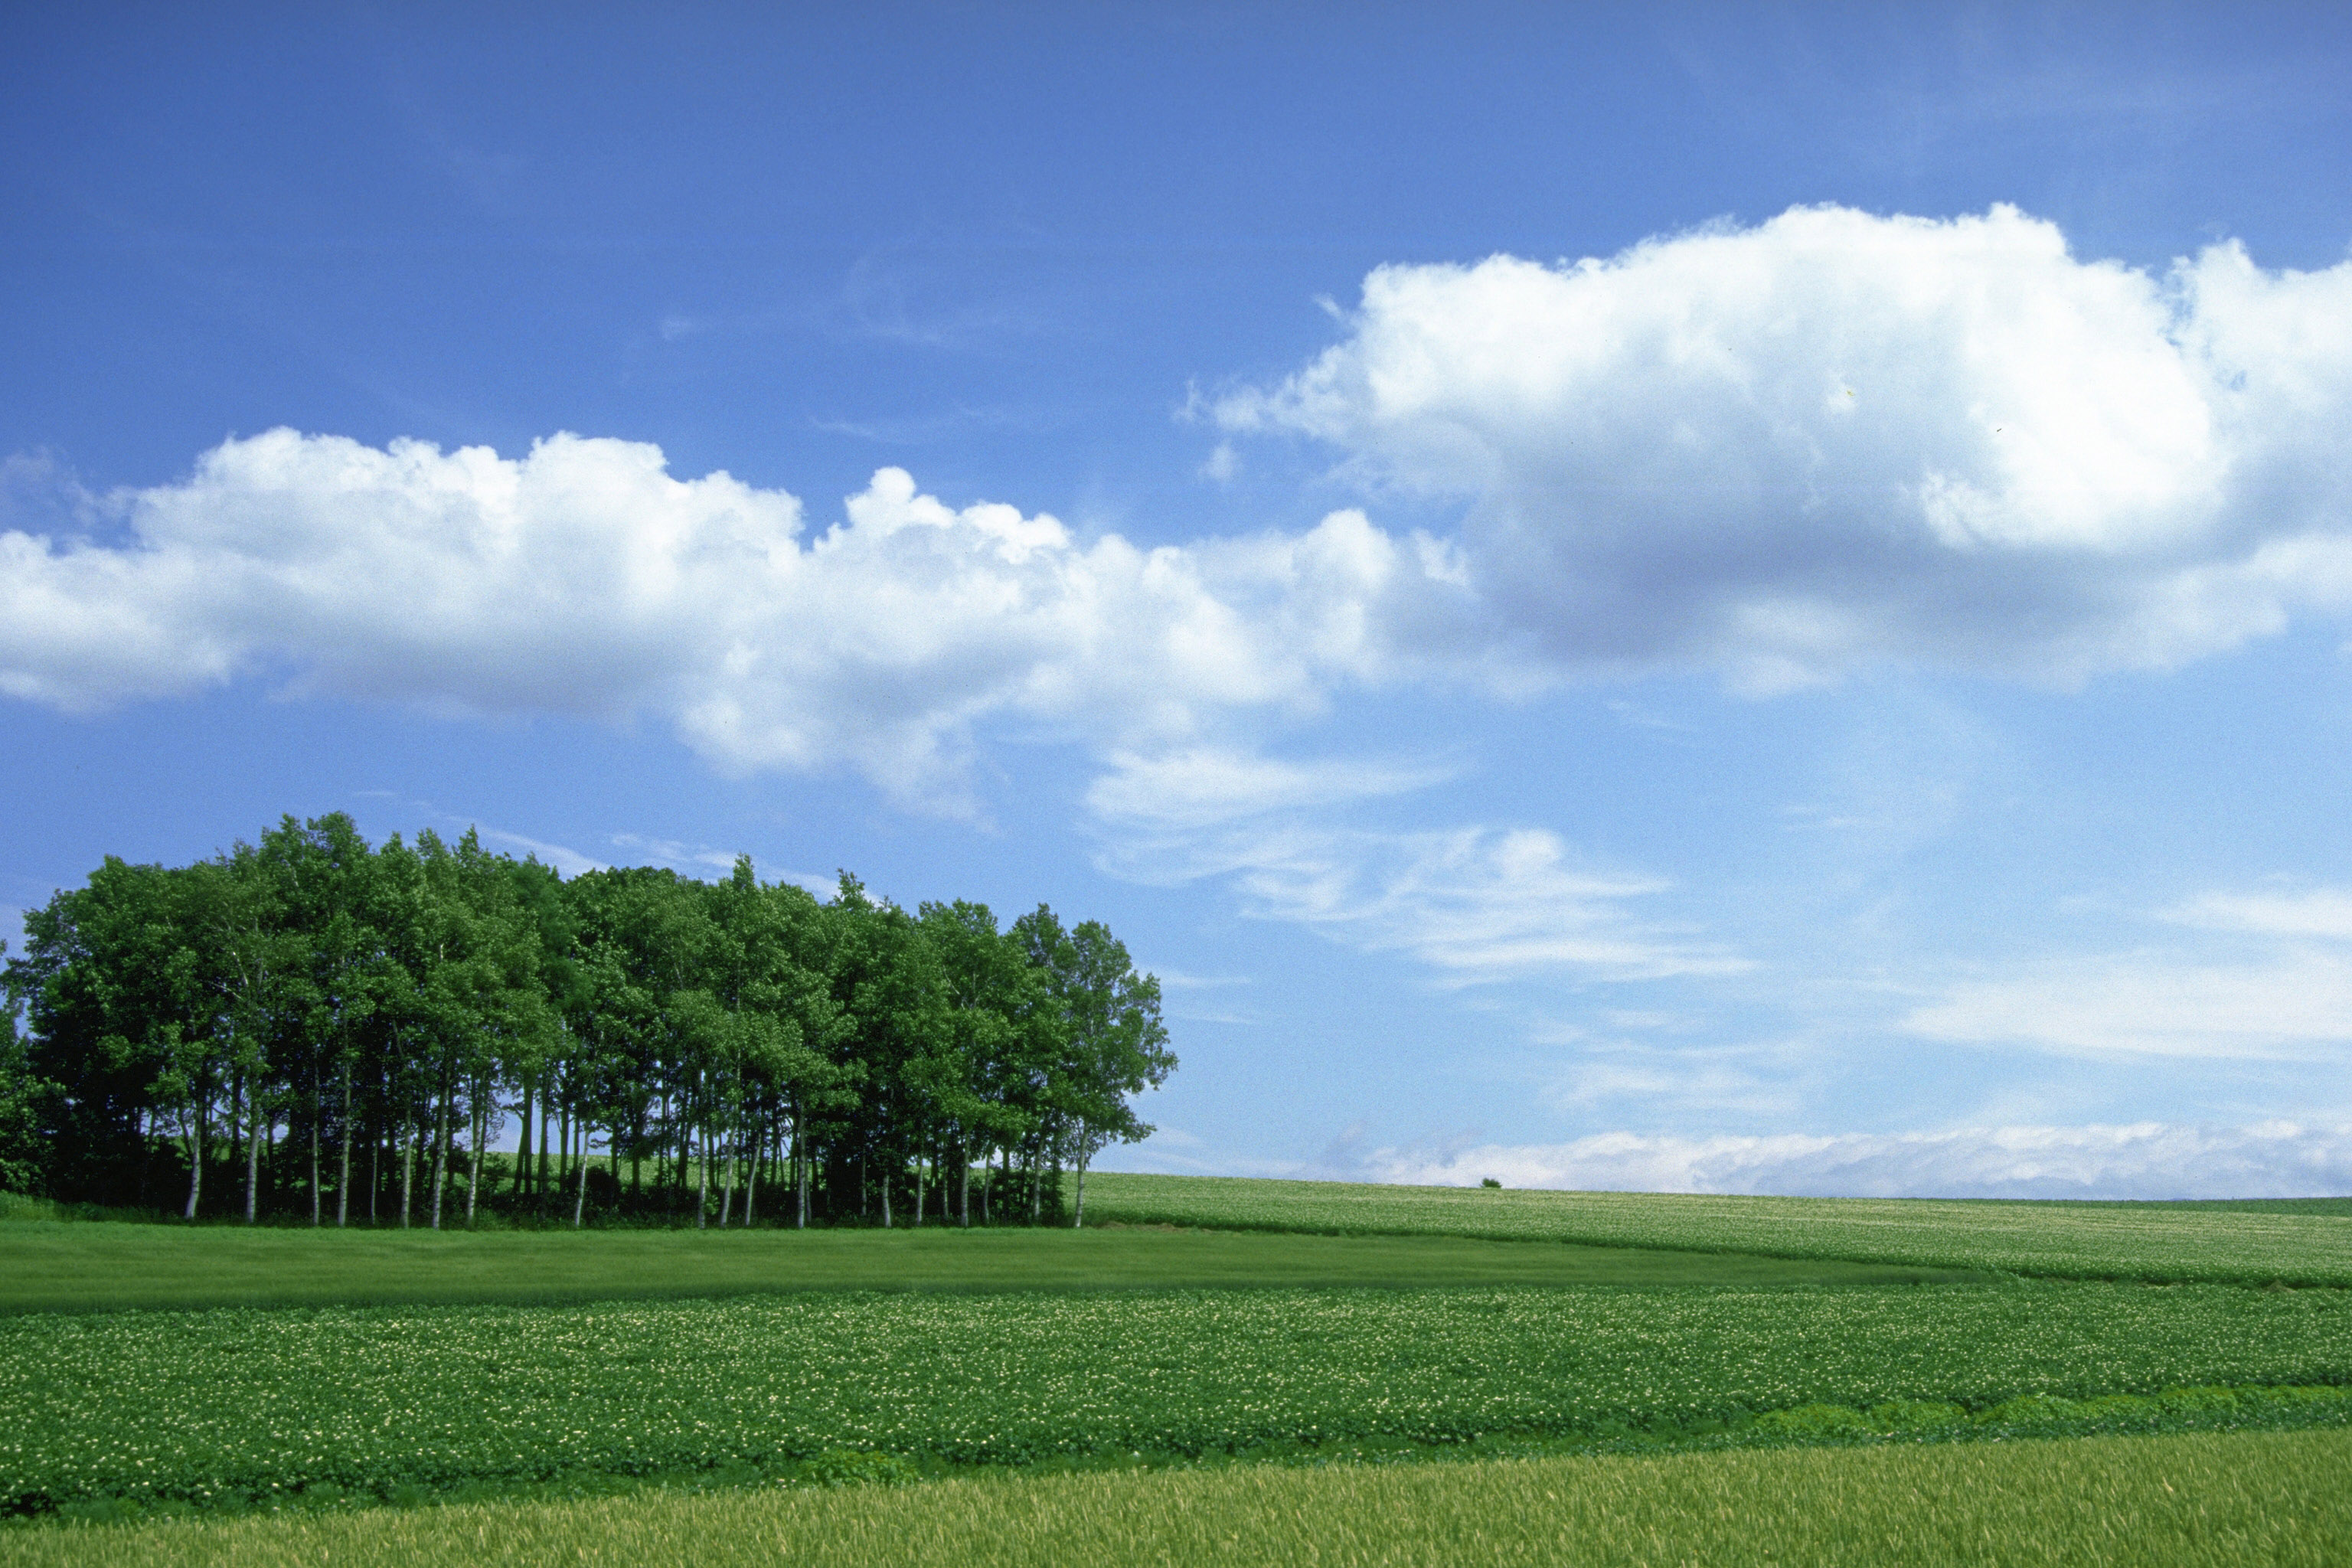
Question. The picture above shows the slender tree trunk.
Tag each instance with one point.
(252, 1155)
(1079, 1219)
(236, 1126)
(408, 1170)
(314, 1153)
(442, 1132)
(800, 1173)
(726, 1149)
(963, 1192)
(343, 1181)
(522, 1144)
(580, 1194)
(751, 1177)
(701, 1184)
(888, 1172)
(918, 1191)
(196, 1153)
(480, 1129)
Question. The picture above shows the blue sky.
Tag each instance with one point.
(1662, 596)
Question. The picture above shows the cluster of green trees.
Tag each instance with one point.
(314, 1026)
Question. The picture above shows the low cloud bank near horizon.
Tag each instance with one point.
(2148, 1160)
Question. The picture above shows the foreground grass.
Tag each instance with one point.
(2277, 1498)
(230, 1408)
(2305, 1244)
(84, 1268)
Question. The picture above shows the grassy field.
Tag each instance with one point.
(74, 1266)
(2246, 1243)
(2194, 1502)
(1248, 1364)
(228, 1407)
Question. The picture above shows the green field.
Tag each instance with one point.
(2195, 1502)
(2255, 1243)
(235, 1405)
(72, 1267)
(1256, 1358)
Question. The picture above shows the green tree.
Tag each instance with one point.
(1115, 1043)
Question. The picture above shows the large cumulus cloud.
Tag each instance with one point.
(1836, 439)
(584, 578)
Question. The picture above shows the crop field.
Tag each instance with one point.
(2253, 1244)
(232, 1406)
(77, 1268)
(2194, 1502)
(1229, 1370)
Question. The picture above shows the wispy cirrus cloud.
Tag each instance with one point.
(2280, 989)
(1193, 787)
(1470, 903)
(2317, 913)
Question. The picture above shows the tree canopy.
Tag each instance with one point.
(313, 1027)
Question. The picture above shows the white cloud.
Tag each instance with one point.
(1835, 439)
(1685, 1082)
(671, 852)
(1178, 980)
(1200, 786)
(2146, 1159)
(1785, 451)
(583, 578)
(2291, 1007)
(2324, 912)
(1473, 903)
(569, 861)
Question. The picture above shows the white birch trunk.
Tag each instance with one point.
(252, 1155)
(196, 1155)
(441, 1131)
(408, 1146)
(800, 1176)
(579, 1197)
